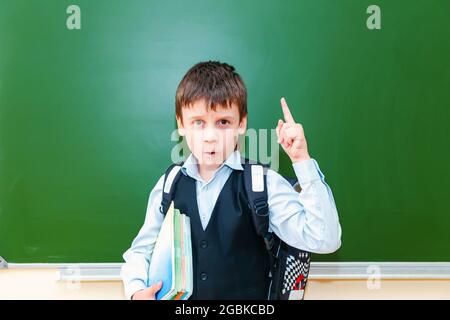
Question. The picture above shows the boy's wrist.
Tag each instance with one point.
(300, 158)
(307, 171)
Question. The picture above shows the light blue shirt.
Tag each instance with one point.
(307, 220)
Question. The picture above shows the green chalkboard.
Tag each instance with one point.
(86, 115)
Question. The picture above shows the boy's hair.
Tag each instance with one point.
(218, 83)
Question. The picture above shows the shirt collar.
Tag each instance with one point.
(234, 161)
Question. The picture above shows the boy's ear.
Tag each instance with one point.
(180, 126)
(242, 126)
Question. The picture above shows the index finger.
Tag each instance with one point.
(287, 113)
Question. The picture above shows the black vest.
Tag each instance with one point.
(230, 260)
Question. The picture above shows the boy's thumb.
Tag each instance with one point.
(156, 287)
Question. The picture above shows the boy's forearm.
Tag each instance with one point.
(320, 208)
(307, 220)
(134, 272)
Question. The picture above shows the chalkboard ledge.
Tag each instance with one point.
(380, 270)
(319, 270)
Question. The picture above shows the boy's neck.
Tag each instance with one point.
(207, 172)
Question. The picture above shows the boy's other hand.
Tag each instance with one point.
(148, 293)
(291, 136)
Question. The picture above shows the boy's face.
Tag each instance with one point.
(211, 135)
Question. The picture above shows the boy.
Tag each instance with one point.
(230, 261)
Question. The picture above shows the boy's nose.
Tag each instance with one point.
(209, 134)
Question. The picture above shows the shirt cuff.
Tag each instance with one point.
(307, 171)
(133, 287)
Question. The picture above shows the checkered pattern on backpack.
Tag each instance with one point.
(296, 272)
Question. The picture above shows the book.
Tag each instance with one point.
(171, 260)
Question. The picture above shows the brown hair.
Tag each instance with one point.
(218, 83)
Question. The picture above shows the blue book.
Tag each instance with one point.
(163, 258)
(171, 260)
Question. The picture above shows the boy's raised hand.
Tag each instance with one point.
(291, 136)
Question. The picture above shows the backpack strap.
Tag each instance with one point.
(255, 180)
(173, 174)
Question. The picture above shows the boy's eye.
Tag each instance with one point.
(223, 122)
(198, 123)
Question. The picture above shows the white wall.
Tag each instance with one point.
(45, 284)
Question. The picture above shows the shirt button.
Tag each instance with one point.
(203, 244)
(203, 276)
(203, 217)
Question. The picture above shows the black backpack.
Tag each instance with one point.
(289, 266)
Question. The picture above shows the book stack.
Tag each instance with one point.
(171, 260)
